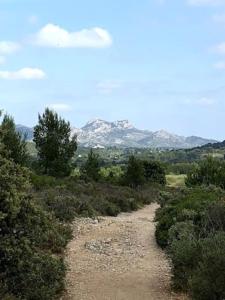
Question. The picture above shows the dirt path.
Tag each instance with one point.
(117, 259)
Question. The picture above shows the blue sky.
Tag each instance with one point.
(158, 63)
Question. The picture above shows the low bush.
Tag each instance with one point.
(191, 225)
(30, 238)
(70, 198)
(184, 253)
(183, 205)
(207, 280)
(31, 275)
(40, 182)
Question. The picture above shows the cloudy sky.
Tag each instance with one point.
(158, 63)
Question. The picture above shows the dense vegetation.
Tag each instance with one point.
(208, 172)
(191, 226)
(41, 195)
(30, 237)
(43, 189)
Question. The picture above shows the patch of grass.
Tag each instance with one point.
(176, 180)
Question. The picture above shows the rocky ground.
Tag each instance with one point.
(117, 259)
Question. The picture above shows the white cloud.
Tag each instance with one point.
(25, 73)
(7, 47)
(220, 65)
(54, 36)
(60, 107)
(2, 60)
(206, 2)
(220, 49)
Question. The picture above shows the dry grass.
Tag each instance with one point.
(176, 180)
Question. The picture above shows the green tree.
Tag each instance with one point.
(91, 169)
(1, 137)
(14, 143)
(56, 147)
(135, 173)
(154, 172)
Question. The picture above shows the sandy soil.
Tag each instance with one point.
(117, 259)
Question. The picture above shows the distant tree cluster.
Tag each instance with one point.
(209, 171)
(139, 172)
(135, 174)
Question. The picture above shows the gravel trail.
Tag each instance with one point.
(117, 259)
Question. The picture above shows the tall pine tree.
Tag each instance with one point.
(55, 144)
(134, 175)
(14, 143)
(91, 168)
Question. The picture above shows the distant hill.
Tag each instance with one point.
(25, 131)
(122, 134)
(215, 146)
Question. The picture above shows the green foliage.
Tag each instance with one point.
(180, 168)
(55, 146)
(135, 173)
(184, 253)
(29, 238)
(214, 219)
(139, 172)
(198, 264)
(91, 169)
(208, 172)
(43, 181)
(14, 143)
(207, 281)
(191, 224)
(68, 198)
(154, 172)
(182, 206)
(33, 276)
(112, 174)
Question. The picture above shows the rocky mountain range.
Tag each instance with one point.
(98, 133)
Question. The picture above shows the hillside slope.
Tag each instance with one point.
(100, 134)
